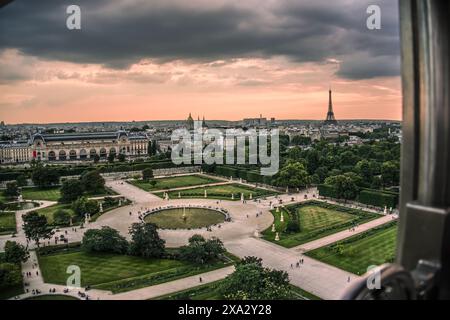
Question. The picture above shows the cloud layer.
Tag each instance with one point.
(118, 34)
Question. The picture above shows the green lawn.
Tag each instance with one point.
(50, 211)
(210, 291)
(316, 220)
(52, 297)
(222, 192)
(118, 273)
(174, 182)
(356, 254)
(194, 218)
(7, 222)
(53, 193)
(48, 194)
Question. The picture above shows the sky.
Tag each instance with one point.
(222, 59)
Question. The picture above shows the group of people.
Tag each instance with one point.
(298, 263)
(29, 274)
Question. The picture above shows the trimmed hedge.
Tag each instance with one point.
(326, 191)
(378, 198)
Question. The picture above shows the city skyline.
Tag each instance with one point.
(234, 61)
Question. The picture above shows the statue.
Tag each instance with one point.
(385, 210)
(256, 234)
(232, 196)
(242, 197)
(277, 237)
(179, 194)
(206, 194)
(282, 217)
(101, 207)
(251, 196)
(273, 227)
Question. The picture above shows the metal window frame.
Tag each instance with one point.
(424, 227)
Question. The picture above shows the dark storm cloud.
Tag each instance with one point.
(119, 33)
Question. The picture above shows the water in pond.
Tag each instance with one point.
(21, 206)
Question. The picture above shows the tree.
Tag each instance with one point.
(251, 259)
(344, 186)
(251, 281)
(10, 275)
(12, 190)
(71, 190)
(105, 239)
(322, 173)
(293, 226)
(22, 180)
(96, 158)
(390, 175)
(147, 174)
(293, 174)
(122, 157)
(111, 157)
(364, 169)
(301, 140)
(201, 251)
(149, 148)
(44, 176)
(15, 253)
(36, 227)
(155, 147)
(61, 218)
(145, 241)
(153, 183)
(92, 181)
(83, 206)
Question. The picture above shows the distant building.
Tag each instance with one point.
(255, 122)
(74, 146)
(14, 152)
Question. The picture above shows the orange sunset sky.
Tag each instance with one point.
(44, 79)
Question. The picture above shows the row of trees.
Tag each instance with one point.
(90, 182)
(145, 242)
(10, 270)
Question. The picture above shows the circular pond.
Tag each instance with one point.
(185, 218)
(15, 206)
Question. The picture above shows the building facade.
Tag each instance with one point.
(14, 152)
(75, 146)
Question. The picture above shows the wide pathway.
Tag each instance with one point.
(135, 194)
(318, 278)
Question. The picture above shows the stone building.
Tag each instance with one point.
(75, 146)
(14, 152)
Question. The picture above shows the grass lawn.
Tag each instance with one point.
(48, 194)
(316, 220)
(50, 211)
(222, 192)
(7, 222)
(118, 273)
(210, 291)
(356, 254)
(194, 218)
(52, 297)
(174, 182)
(53, 193)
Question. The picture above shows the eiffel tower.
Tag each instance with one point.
(330, 115)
